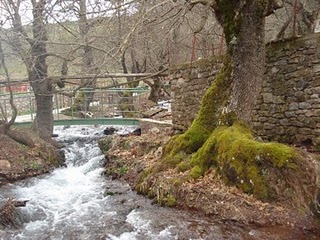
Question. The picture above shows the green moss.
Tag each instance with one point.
(170, 201)
(183, 166)
(279, 155)
(123, 170)
(227, 12)
(105, 144)
(197, 171)
(35, 166)
(177, 181)
(240, 159)
(141, 185)
(210, 115)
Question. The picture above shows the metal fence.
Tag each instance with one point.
(104, 103)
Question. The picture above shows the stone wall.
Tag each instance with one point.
(289, 107)
(188, 84)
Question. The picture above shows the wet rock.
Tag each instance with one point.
(109, 131)
(136, 132)
(61, 157)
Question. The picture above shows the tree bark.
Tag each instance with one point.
(87, 58)
(248, 58)
(242, 72)
(243, 23)
(37, 74)
(5, 126)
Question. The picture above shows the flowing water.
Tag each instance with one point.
(75, 202)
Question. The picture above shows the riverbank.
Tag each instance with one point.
(129, 157)
(18, 161)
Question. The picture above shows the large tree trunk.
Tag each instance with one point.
(248, 58)
(239, 82)
(42, 87)
(87, 58)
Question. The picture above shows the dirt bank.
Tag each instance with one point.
(129, 158)
(18, 161)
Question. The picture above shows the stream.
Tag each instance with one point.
(78, 202)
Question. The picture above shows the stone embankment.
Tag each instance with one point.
(288, 109)
(188, 85)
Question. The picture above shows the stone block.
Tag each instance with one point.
(308, 91)
(317, 112)
(309, 51)
(294, 60)
(291, 99)
(305, 131)
(291, 114)
(293, 106)
(316, 81)
(309, 113)
(296, 123)
(268, 126)
(316, 141)
(301, 112)
(282, 62)
(279, 115)
(316, 90)
(304, 105)
(316, 106)
(291, 130)
(278, 100)
(292, 75)
(263, 119)
(317, 132)
(274, 70)
(284, 122)
(316, 68)
(267, 97)
(264, 107)
(273, 120)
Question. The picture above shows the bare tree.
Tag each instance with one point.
(30, 43)
(5, 123)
